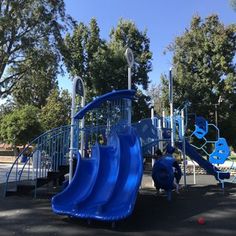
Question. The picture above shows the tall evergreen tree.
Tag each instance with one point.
(102, 64)
(56, 112)
(204, 68)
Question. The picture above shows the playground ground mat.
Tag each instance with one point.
(153, 214)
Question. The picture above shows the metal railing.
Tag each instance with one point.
(45, 153)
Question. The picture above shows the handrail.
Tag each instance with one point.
(45, 141)
(15, 163)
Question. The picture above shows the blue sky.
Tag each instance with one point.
(163, 19)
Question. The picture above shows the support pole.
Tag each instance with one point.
(183, 146)
(78, 87)
(164, 119)
(82, 128)
(130, 60)
(160, 143)
(171, 107)
(129, 101)
(152, 118)
(72, 131)
(153, 148)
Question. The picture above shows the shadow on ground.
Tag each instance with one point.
(153, 215)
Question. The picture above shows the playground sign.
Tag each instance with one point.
(129, 57)
(79, 88)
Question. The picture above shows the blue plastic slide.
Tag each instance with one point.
(105, 186)
(122, 201)
(81, 185)
(195, 156)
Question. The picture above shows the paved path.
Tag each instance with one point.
(4, 168)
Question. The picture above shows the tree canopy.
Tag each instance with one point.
(20, 126)
(35, 87)
(233, 4)
(204, 68)
(28, 27)
(102, 63)
(56, 112)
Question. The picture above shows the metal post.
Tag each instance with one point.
(78, 87)
(82, 126)
(216, 115)
(153, 148)
(164, 121)
(171, 107)
(194, 172)
(72, 132)
(183, 145)
(129, 101)
(129, 77)
(160, 143)
(152, 118)
(130, 60)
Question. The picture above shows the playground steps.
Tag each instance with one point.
(25, 187)
(58, 176)
(12, 189)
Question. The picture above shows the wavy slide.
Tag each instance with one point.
(105, 186)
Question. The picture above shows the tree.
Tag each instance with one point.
(102, 64)
(20, 126)
(56, 112)
(155, 93)
(233, 4)
(26, 27)
(79, 53)
(35, 86)
(204, 68)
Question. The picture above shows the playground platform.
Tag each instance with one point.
(153, 214)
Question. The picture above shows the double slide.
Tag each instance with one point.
(105, 186)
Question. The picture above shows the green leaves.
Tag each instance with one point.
(233, 4)
(102, 64)
(27, 26)
(56, 112)
(20, 126)
(204, 67)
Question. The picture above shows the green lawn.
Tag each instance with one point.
(233, 158)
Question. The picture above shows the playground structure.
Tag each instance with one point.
(109, 152)
(114, 168)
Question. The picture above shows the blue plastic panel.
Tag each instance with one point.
(123, 199)
(201, 127)
(195, 156)
(98, 191)
(81, 185)
(162, 173)
(221, 152)
(103, 188)
(129, 94)
(147, 148)
(146, 129)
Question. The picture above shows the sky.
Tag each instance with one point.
(163, 19)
